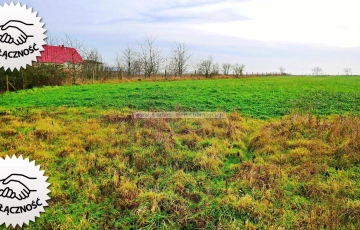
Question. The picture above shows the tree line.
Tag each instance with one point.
(146, 59)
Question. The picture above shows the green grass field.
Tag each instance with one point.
(258, 97)
(109, 171)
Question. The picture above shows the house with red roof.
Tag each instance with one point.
(61, 55)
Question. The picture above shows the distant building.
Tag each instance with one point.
(60, 55)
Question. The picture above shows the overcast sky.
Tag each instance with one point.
(262, 34)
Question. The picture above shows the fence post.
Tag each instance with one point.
(23, 80)
(7, 83)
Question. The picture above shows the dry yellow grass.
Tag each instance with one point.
(110, 171)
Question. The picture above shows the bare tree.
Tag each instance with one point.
(208, 67)
(150, 57)
(53, 40)
(118, 65)
(317, 70)
(226, 68)
(69, 41)
(93, 55)
(170, 67)
(282, 71)
(93, 64)
(347, 71)
(215, 69)
(180, 57)
(238, 69)
(78, 46)
(128, 59)
(137, 67)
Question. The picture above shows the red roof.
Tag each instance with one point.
(59, 55)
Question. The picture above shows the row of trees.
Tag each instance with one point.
(319, 71)
(147, 60)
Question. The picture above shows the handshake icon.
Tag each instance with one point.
(14, 32)
(15, 186)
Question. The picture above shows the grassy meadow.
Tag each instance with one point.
(287, 158)
(265, 97)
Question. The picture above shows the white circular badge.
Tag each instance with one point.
(21, 36)
(23, 191)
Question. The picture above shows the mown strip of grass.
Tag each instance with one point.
(262, 97)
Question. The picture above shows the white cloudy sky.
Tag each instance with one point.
(262, 34)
